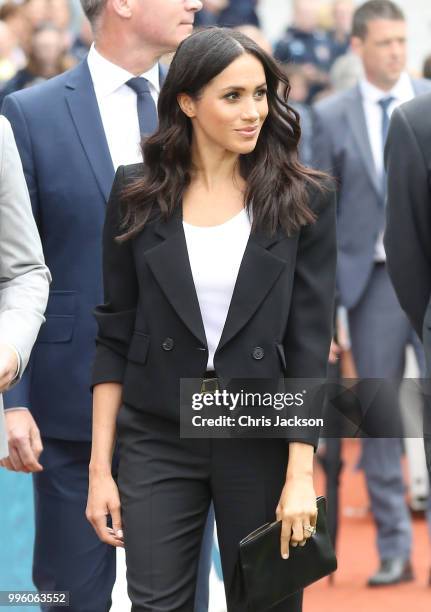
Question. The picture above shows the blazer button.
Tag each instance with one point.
(168, 344)
(258, 352)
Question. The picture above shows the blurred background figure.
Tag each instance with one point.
(345, 73)
(210, 14)
(36, 11)
(60, 16)
(339, 34)
(239, 12)
(298, 83)
(228, 13)
(304, 43)
(257, 35)
(82, 41)
(299, 94)
(10, 56)
(47, 58)
(13, 15)
(30, 35)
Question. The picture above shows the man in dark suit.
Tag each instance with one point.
(350, 132)
(72, 132)
(408, 230)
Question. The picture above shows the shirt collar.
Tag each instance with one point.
(402, 91)
(108, 77)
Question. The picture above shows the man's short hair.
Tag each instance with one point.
(374, 9)
(92, 9)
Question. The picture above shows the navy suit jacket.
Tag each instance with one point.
(69, 172)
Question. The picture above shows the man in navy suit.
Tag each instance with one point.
(72, 133)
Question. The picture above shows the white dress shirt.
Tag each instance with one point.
(402, 92)
(118, 106)
(215, 255)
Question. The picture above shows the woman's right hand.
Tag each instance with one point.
(104, 500)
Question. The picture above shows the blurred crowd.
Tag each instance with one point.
(38, 41)
(42, 38)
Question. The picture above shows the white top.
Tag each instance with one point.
(215, 255)
(402, 92)
(118, 106)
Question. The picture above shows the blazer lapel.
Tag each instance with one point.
(82, 103)
(258, 272)
(169, 262)
(358, 125)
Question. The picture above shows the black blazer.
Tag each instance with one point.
(408, 229)
(151, 332)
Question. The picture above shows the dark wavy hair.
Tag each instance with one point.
(276, 182)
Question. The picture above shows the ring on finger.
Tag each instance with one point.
(310, 530)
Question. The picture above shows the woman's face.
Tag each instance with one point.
(231, 109)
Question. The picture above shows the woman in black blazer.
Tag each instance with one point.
(219, 262)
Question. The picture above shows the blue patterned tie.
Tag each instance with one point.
(147, 111)
(384, 104)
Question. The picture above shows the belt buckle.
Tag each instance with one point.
(209, 386)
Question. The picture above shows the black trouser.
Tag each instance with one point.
(166, 484)
(68, 555)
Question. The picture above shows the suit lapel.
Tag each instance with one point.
(82, 102)
(84, 110)
(257, 274)
(169, 262)
(358, 125)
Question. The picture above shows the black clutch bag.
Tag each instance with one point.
(266, 578)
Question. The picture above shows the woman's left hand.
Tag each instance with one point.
(297, 510)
